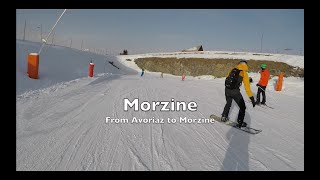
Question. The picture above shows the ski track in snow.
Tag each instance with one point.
(65, 129)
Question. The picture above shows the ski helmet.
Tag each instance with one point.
(263, 66)
(243, 61)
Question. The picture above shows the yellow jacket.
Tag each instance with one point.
(245, 78)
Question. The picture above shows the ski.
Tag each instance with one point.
(261, 105)
(265, 106)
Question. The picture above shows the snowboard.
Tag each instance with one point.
(234, 124)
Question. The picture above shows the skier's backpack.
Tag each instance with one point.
(232, 81)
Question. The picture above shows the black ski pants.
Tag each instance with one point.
(261, 89)
(234, 94)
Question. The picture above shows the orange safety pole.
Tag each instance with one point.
(91, 69)
(33, 65)
(279, 82)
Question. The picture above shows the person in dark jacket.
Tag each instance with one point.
(142, 72)
(235, 94)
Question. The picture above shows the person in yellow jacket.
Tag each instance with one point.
(232, 92)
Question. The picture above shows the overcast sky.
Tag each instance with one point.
(168, 30)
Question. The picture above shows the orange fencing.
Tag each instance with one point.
(279, 82)
(33, 65)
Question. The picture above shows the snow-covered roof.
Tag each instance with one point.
(196, 48)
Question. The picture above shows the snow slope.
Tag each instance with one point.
(63, 126)
(59, 64)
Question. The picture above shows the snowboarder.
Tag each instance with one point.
(142, 72)
(262, 84)
(232, 92)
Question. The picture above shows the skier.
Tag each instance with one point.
(232, 92)
(161, 75)
(142, 72)
(183, 76)
(262, 84)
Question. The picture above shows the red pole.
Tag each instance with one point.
(91, 67)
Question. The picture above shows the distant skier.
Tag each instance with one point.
(262, 84)
(232, 92)
(183, 76)
(161, 75)
(142, 72)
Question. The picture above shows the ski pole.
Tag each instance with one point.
(261, 88)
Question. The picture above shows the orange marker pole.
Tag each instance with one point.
(279, 82)
(91, 67)
(33, 65)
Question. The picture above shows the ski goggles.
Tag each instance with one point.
(243, 62)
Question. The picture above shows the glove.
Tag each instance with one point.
(253, 102)
(257, 84)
